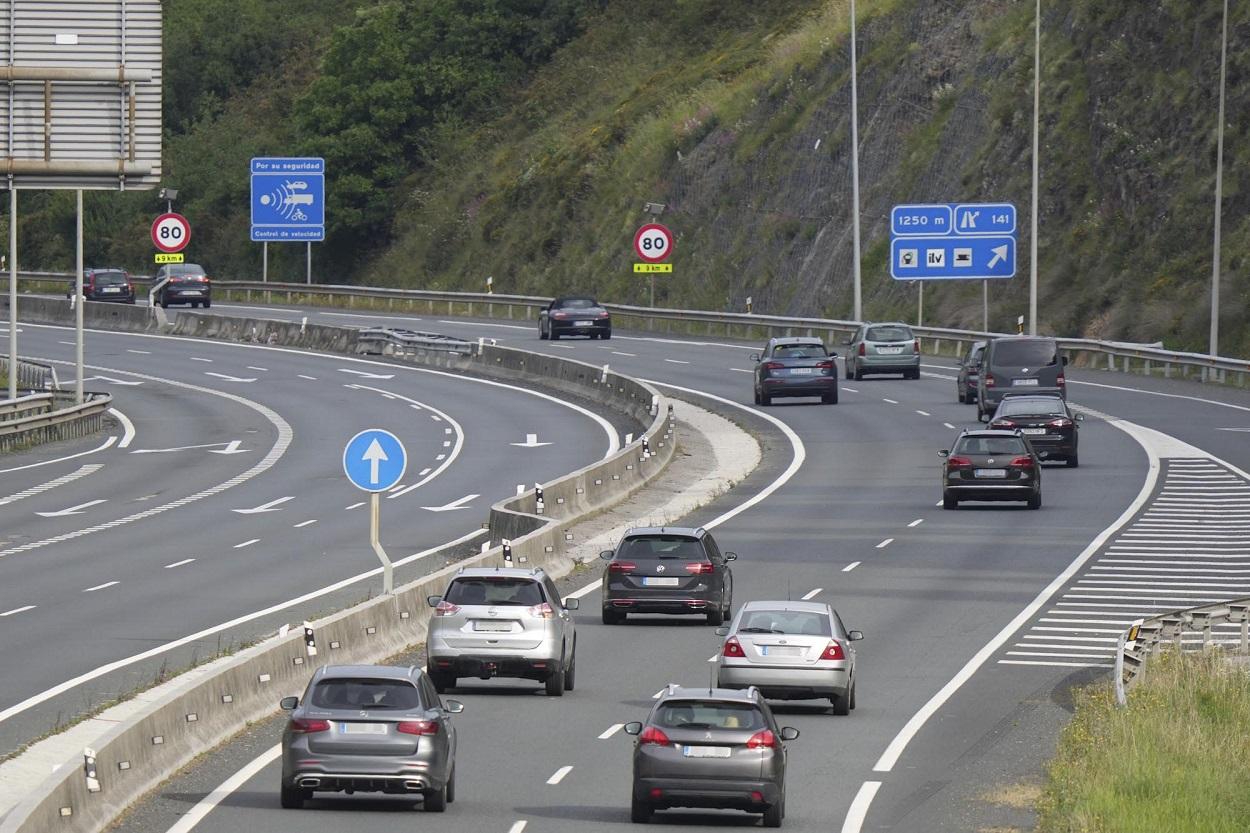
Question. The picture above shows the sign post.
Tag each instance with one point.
(653, 243)
(374, 461)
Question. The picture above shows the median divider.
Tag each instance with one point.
(90, 790)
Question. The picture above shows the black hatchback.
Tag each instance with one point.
(105, 285)
(1046, 421)
(675, 570)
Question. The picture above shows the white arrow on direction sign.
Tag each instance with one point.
(265, 507)
(73, 510)
(231, 447)
(367, 375)
(455, 504)
(374, 455)
(1000, 254)
(228, 378)
(531, 441)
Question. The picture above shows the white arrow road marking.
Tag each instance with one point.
(73, 510)
(82, 471)
(1000, 254)
(455, 504)
(365, 375)
(228, 377)
(231, 447)
(108, 379)
(531, 441)
(265, 507)
(374, 456)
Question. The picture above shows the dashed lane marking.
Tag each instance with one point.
(305, 523)
(813, 594)
(559, 774)
(101, 586)
(18, 610)
(80, 472)
(181, 563)
(611, 730)
(247, 543)
(851, 566)
(885, 543)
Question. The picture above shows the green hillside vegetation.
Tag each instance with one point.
(519, 139)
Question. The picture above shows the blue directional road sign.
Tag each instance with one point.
(288, 199)
(374, 460)
(953, 242)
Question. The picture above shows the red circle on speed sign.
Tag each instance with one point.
(171, 232)
(653, 243)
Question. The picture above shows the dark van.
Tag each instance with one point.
(1019, 364)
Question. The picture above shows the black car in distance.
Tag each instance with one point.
(105, 285)
(675, 570)
(991, 465)
(795, 367)
(574, 315)
(969, 373)
(1046, 421)
(188, 284)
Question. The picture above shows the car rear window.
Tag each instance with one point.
(186, 270)
(489, 590)
(888, 334)
(1041, 353)
(799, 351)
(365, 693)
(991, 445)
(708, 714)
(1013, 406)
(662, 546)
(577, 303)
(109, 278)
(798, 622)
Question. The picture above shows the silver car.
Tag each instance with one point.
(369, 728)
(502, 622)
(883, 348)
(790, 651)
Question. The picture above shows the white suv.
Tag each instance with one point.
(502, 622)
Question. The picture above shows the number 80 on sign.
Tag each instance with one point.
(653, 243)
(171, 232)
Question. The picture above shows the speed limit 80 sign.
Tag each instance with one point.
(653, 243)
(171, 232)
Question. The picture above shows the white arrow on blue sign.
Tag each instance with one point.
(374, 460)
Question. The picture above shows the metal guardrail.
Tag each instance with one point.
(13, 409)
(39, 419)
(376, 340)
(32, 375)
(1145, 637)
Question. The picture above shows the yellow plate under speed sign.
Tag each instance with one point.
(653, 267)
(169, 257)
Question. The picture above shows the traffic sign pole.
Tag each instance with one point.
(375, 541)
(374, 460)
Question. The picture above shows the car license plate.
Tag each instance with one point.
(801, 371)
(990, 473)
(1033, 432)
(706, 751)
(890, 351)
(191, 292)
(1024, 381)
(363, 728)
(780, 651)
(659, 581)
(585, 323)
(491, 626)
(111, 289)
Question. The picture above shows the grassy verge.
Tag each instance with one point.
(1173, 760)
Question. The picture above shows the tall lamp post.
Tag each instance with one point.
(1037, 85)
(858, 311)
(1219, 186)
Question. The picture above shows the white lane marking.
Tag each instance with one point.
(364, 374)
(181, 563)
(446, 430)
(923, 413)
(101, 586)
(454, 505)
(206, 805)
(128, 428)
(854, 820)
(266, 309)
(948, 425)
(247, 543)
(81, 471)
(265, 507)
(440, 457)
(676, 361)
(228, 378)
(354, 506)
(885, 543)
(851, 566)
(518, 826)
(106, 444)
(851, 390)
(447, 443)
(141, 352)
(939, 503)
(812, 594)
(370, 315)
(559, 774)
(309, 378)
(1242, 430)
(18, 610)
(660, 693)
(619, 353)
(480, 324)
(305, 523)
(741, 370)
(198, 359)
(68, 343)
(891, 401)
(108, 668)
(713, 658)
(73, 510)
(1165, 395)
(423, 472)
(250, 367)
(915, 523)
(689, 343)
(1061, 664)
(563, 346)
(396, 488)
(611, 730)
(583, 591)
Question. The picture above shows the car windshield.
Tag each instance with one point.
(799, 351)
(990, 445)
(806, 622)
(576, 303)
(109, 278)
(187, 270)
(494, 591)
(662, 546)
(365, 693)
(888, 334)
(708, 714)
(1047, 406)
(1039, 353)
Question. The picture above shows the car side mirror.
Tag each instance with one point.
(789, 733)
(288, 703)
(722, 631)
(832, 355)
(1064, 359)
(944, 453)
(571, 604)
(1042, 455)
(855, 636)
(1079, 417)
(634, 728)
(755, 357)
(606, 555)
(433, 601)
(731, 556)
(453, 706)
(983, 417)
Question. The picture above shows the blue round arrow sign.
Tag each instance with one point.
(374, 460)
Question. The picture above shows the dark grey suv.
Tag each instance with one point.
(667, 570)
(1019, 364)
(369, 728)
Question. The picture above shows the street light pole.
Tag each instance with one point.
(858, 306)
(1037, 85)
(1219, 191)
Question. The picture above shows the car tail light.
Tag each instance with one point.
(773, 366)
(542, 611)
(417, 727)
(863, 349)
(656, 793)
(622, 567)
(303, 726)
(1061, 381)
(652, 735)
(757, 797)
(827, 365)
(915, 346)
(763, 739)
(602, 315)
(1002, 423)
(559, 315)
(1062, 422)
(1023, 462)
(699, 568)
(732, 648)
(446, 608)
(833, 650)
(958, 462)
(989, 380)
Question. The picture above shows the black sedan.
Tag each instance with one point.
(187, 283)
(1046, 421)
(991, 465)
(574, 315)
(795, 367)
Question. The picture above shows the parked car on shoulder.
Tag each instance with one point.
(883, 348)
(106, 284)
(795, 367)
(969, 373)
(674, 570)
(188, 284)
(1045, 420)
(574, 315)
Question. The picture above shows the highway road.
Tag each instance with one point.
(977, 621)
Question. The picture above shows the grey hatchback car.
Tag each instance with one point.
(883, 348)
(502, 622)
(369, 728)
(710, 747)
(667, 570)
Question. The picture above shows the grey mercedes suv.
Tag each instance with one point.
(502, 622)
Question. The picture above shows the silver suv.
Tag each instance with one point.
(502, 622)
(883, 348)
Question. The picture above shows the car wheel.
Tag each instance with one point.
(972, 396)
(765, 399)
(774, 814)
(841, 704)
(164, 302)
(1074, 461)
(443, 682)
(207, 303)
(950, 502)
(570, 675)
(851, 696)
(959, 393)
(1035, 502)
(553, 335)
(293, 798)
(435, 800)
(555, 681)
(606, 335)
(859, 375)
(131, 301)
(847, 370)
(829, 398)
(612, 617)
(640, 811)
(451, 786)
(716, 617)
(542, 334)
(727, 610)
